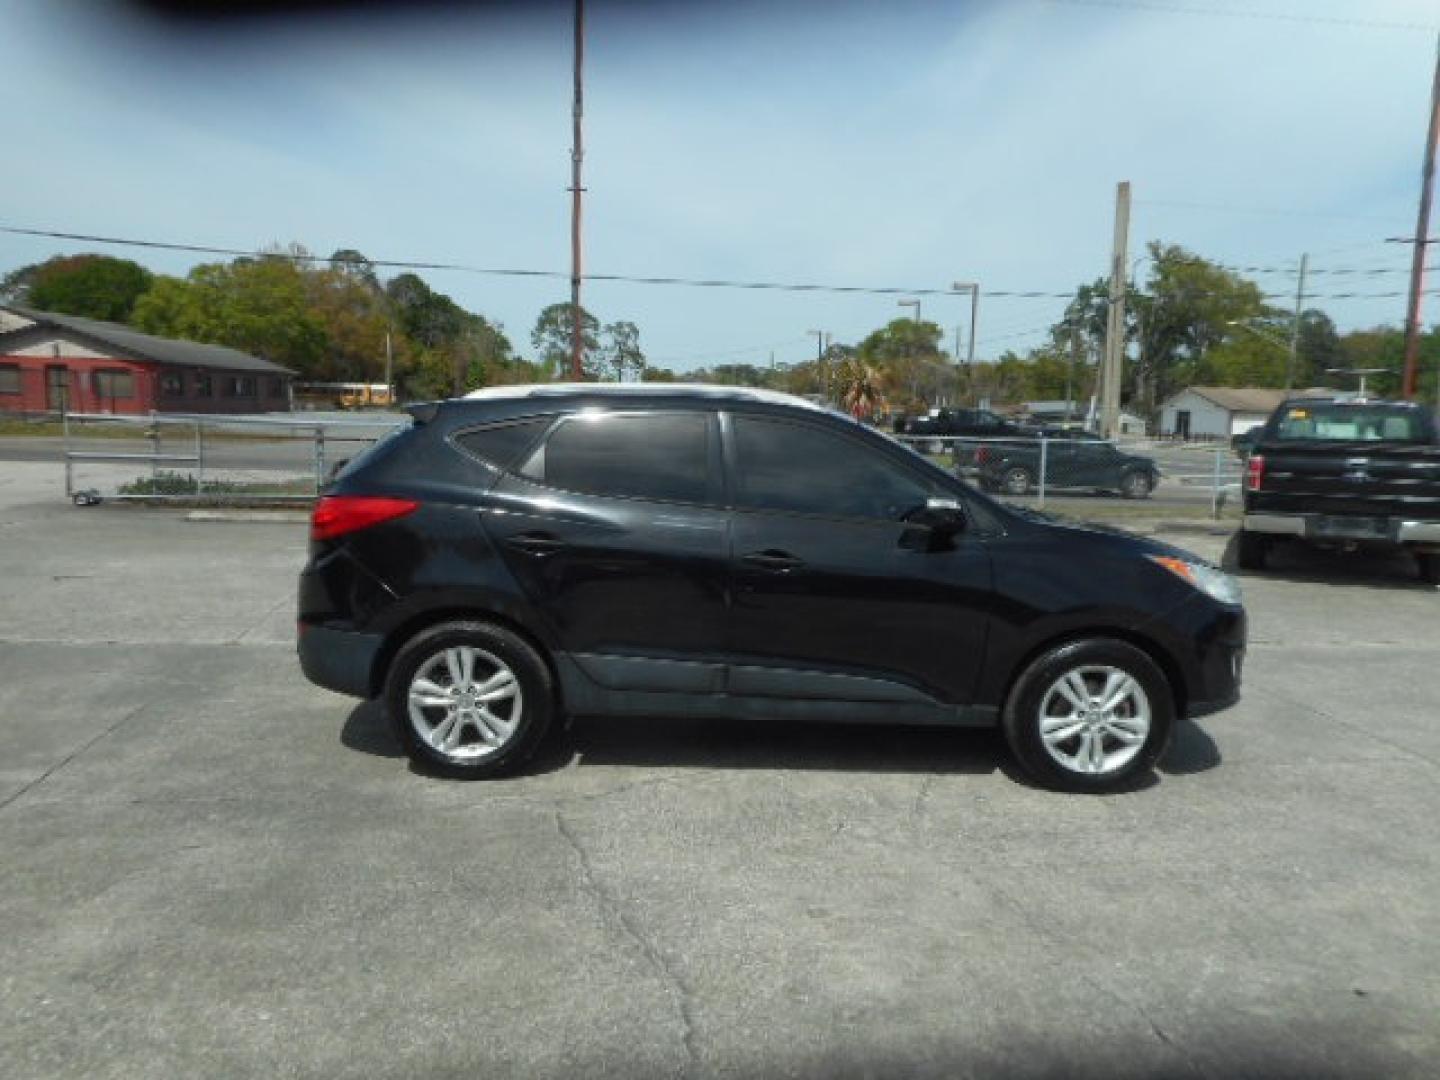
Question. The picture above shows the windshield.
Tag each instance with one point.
(1340, 422)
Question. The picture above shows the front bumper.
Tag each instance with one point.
(1206, 640)
(339, 660)
(1311, 527)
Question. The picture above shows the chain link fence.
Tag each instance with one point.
(1088, 476)
(210, 460)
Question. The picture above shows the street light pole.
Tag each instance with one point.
(911, 304)
(1295, 326)
(973, 288)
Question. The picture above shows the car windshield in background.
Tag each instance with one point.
(1351, 423)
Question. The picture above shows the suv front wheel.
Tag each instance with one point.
(1090, 716)
(469, 699)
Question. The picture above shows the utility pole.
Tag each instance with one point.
(1070, 371)
(819, 344)
(974, 319)
(389, 372)
(577, 154)
(1115, 322)
(822, 376)
(1410, 380)
(1295, 326)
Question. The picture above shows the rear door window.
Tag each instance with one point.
(661, 456)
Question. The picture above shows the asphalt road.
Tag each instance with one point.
(210, 867)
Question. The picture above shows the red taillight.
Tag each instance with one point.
(982, 455)
(1254, 472)
(336, 515)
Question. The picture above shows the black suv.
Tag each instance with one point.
(535, 551)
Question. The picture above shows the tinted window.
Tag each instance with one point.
(639, 456)
(1351, 423)
(782, 466)
(502, 444)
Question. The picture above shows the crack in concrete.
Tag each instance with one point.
(244, 637)
(917, 808)
(53, 769)
(1043, 931)
(610, 905)
(1404, 751)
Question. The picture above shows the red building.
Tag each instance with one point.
(50, 363)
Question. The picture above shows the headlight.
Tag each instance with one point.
(1215, 584)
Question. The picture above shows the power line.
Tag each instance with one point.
(1264, 211)
(1236, 13)
(629, 279)
(1338, 270)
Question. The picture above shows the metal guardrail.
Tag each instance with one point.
(232, 459)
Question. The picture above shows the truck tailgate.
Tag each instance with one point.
(1344, 479)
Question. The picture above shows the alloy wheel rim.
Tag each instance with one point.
(1017, 482)
(465, 702)
(1094, 719)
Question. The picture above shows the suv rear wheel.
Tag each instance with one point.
(1090, 716)
(469, 699)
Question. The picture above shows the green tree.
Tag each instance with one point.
(907, 353)
(860, 388)
(621, 353)
(1318, 349)
(1188, 307)
(91, 286)
(352, 263)
(260, 305)
(429, 318)
(551, 339)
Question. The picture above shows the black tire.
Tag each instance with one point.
(536, 698)
(1022, 717)
(1016, 480)
(1251, 550)
(1429, 567)
(1136, 485)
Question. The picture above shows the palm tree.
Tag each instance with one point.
(860, 389)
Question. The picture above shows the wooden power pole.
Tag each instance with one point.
(1115, 320)
(577, 154)
(1409, 383)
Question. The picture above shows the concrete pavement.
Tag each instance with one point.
(210, 867)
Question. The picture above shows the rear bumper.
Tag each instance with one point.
(1307, 527)
(339, 660)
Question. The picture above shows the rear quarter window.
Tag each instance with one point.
(501, 445)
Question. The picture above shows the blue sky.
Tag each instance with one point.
(902, 143)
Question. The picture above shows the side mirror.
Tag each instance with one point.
(934, 526)
(945, 517)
